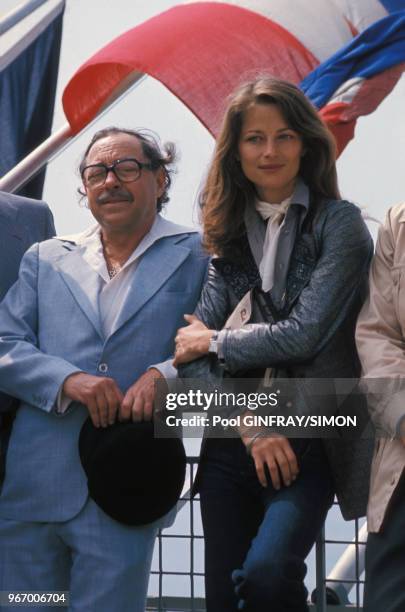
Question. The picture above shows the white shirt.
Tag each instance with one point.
(114, 291)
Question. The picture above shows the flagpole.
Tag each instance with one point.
(18, 14)
(57, 142)
(32, 163)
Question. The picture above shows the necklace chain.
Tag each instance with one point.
(113, 269)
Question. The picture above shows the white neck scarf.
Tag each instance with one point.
(274, 214)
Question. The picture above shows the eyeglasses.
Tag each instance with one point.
(126, 170)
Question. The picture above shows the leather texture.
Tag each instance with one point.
(312, 336)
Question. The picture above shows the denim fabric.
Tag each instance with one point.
(258, 538)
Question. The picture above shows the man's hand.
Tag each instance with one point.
(101, 396)
(138, 401)
(192, 341)
(277, 454)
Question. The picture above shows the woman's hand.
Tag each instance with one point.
(277, 454)
(192, 341)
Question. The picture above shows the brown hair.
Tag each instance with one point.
(227, 190)
(160, 157)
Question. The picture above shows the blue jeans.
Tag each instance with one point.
(256, 539)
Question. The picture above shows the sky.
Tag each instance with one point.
(371, 169)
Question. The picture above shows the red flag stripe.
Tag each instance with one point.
(318, 24)
(200, 52)
(341, 116)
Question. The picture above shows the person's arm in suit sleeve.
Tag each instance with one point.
(379, 338)
(25, 372)
(49, 225)
(213, 310)
(37, 218)
(40, 225)
(166, 368)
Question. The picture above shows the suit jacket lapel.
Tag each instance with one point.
(157, 264)
(83, 282)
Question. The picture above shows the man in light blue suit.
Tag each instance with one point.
(86, 330)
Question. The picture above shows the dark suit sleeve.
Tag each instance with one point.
(213, 310)
(25, 371)
(213, 306)
(37, 218)
(49, 230)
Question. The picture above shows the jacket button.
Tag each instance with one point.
(103, 368)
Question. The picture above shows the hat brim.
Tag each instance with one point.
(134, 477)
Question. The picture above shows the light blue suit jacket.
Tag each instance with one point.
(50, 328)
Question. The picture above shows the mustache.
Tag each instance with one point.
(116, 195)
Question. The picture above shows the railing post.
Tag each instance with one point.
(192, 590)
(320, 572)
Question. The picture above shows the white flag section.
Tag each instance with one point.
(345, 54)
(319, 25)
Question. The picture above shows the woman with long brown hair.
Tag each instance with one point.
(276, 225)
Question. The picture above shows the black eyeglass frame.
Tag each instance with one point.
(111, 168)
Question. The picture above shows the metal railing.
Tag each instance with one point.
(330, 592)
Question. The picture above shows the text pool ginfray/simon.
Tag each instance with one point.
(253, 420)
(293, 407)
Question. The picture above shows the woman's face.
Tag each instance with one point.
(269, 152)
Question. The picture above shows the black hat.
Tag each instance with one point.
(133, 476)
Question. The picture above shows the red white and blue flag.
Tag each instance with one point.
(346, 55)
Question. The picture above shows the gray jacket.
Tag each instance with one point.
(22, 222)
(312, 334)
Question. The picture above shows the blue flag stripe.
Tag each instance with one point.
(378, 48)
(393, 6)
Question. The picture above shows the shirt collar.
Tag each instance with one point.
(299, 197)
(300, 194)
(90, 241)
(160, 229)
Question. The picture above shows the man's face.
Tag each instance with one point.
(121, 206)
